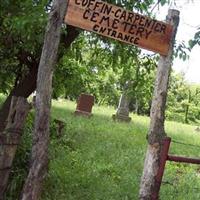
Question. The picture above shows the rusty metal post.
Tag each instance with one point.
(183, 159)
(163, 159)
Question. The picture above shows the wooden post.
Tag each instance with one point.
(39, 159)
(10, 139)
(156, 132)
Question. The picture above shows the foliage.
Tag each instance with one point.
(195, 40)
(103, 68)
(183, 100)
(84, 164)
(22, 25)
(94, 64)
(21, 36)
(182, 51)
(2, 98)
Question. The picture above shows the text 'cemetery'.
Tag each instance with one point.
(114, 22)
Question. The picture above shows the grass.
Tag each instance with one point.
(98, 159)
(97, 152)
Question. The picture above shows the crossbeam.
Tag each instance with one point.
(183, 159)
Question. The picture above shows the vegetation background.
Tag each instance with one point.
(97, 158)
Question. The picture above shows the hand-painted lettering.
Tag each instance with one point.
(109, 20)
(94, 17)
(86, 14)
(117, 13)
(95, 28)
(77, 2)
(97, 5)
(105, 21)
(115, 24)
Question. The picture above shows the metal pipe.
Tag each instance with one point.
(163, 159)
(183, 159)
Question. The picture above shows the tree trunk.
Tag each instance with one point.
(39, 159)
(10, 139)
(23, 89)
(28, 85)
(149, 184)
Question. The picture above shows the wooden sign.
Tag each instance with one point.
(114, 22)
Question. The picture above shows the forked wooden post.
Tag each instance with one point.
(39, 156)
(156, 134)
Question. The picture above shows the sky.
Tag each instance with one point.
(189, 22)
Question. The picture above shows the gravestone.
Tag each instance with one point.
(84, 105)
(197, 129)
(122, 113)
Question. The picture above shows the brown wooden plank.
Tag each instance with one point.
(114, 22)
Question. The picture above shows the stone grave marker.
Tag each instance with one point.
(122, 113)
(197, 129)
(84, 105)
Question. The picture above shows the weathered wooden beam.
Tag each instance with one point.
(10, 138)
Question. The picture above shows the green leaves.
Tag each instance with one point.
(196, 40)
(21, 32)
(183, 100)
(182, 51)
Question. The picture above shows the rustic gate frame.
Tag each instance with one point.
(32, 187)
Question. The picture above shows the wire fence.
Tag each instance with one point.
(186, 144)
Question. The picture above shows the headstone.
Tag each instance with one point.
(122, 113)
(84, 105)
(197, 129)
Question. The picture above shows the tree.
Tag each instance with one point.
(21, 35)
(22, 31)
(182, 104)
